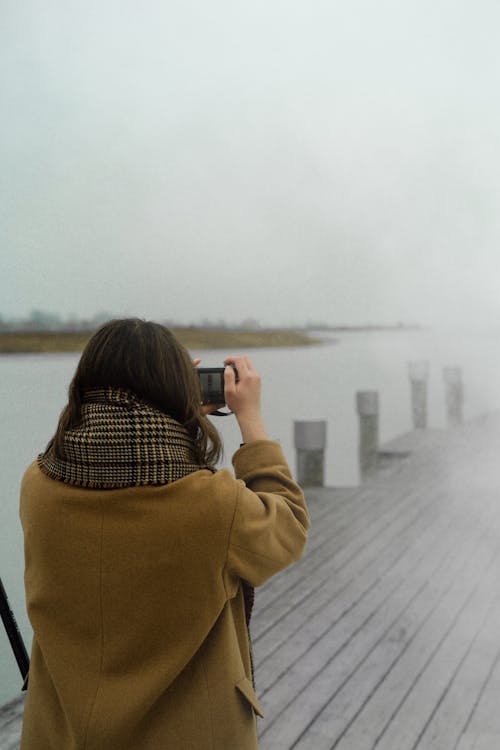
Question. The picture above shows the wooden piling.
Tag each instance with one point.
(454, 395)
(367, 403)
(310, 443)
(419, 374)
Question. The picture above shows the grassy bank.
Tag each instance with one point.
(232, 341)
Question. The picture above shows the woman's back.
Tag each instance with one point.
(136, 583)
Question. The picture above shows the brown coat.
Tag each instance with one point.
(135, 598)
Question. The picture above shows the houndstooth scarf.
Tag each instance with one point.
(122, 441)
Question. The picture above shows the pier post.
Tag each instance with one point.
(367, 403)
(310, 443)
(419, 374)
(454, 395)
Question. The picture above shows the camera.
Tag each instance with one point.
(212, 384)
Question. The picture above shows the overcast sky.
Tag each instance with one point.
(286, 161)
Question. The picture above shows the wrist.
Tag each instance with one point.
(252, 427)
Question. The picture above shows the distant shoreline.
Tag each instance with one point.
(367, 328)
(25, 342)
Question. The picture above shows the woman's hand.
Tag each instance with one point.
(243, 397)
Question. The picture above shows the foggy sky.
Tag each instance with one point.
(286, 161)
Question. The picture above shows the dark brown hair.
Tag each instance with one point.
(147, 359)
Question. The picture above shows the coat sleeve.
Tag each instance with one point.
(270, 523)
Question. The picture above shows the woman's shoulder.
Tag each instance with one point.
(32, 473)
(211, 488)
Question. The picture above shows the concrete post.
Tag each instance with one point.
(367, 403)
(454, 395)
(419, 374)
(310, 443)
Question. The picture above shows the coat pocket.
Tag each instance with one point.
(246, 689)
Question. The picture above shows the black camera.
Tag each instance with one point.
(212, 384)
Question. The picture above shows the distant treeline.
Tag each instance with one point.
(41, 320)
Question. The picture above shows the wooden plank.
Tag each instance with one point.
(318, 699)
(398, 713)
(320, 563)
(471, 691)
(347, 586)
(333, 577)
(485, 714)
(10, 724)
(481, 741)
(352, 595)
(338, 527)
(358, 510)
(456, 471)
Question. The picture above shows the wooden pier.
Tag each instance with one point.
(386, 635)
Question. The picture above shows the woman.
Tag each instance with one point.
(141, 557)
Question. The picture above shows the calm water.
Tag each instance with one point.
(308, 383)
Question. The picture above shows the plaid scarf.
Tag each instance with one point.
(122, 441)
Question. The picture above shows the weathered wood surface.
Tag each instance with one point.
(386, 635)
(10, 724)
